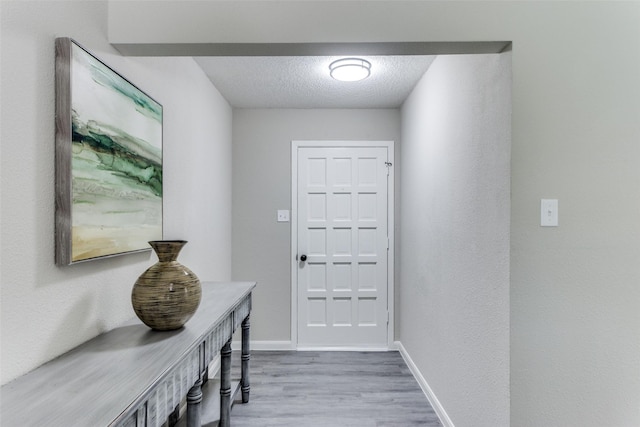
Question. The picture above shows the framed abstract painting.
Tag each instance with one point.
(108, 160)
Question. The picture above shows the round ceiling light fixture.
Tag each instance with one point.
(350, 69)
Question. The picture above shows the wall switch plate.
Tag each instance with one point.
(549, 212)
(283, 216)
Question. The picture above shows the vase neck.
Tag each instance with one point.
(167, 250)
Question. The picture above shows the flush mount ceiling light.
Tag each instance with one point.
(350, 69)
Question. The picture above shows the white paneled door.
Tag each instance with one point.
(342, 246)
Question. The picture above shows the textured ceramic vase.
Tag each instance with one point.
(167, 294)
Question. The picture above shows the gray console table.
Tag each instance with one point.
(134, 376)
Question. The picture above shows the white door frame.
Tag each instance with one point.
(294, 230)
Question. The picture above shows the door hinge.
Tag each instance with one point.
(387, 317)
(388, 165)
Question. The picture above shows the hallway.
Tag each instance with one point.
(311, 388)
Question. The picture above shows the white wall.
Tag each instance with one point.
(45, 310)
(454, 293)
(262, 185)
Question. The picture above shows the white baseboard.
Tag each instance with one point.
(352, 348)
(288, 345)
(431, 397)
(214, 366)
(264, 345)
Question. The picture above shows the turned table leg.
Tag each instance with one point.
(225, 385)
(194, 400)
(246, 355)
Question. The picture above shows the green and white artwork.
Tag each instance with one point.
(116, 162)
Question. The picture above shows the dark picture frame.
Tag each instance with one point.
(108, 154)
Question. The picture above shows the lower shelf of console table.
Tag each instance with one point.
(210, 410)
(134, 376)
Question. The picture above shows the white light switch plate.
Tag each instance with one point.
(283, 216)
(549, 212)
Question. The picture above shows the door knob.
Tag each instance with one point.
(303, 258)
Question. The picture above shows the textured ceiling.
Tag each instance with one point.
(304, 81)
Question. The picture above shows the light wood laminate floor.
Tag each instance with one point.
(311, 388)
